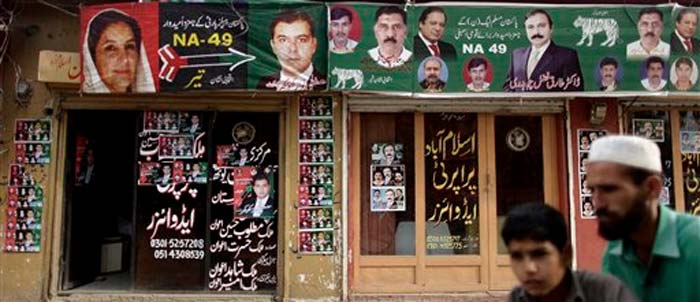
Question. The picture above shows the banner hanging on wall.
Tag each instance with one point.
(167, 47)
(416, 49)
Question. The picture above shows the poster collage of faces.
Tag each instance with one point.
(387, 178)
(25, 195)
(585, 139)
(174, 144)
(316, 186)
(32, 141)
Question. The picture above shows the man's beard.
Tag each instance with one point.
(433, 79)
(618, 227)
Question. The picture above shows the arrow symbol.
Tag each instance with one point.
(173, 62)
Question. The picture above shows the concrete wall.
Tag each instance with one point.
(23, 276)
(589, 246)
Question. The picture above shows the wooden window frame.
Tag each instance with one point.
(493, 270)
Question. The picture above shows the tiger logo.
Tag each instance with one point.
(591, 26)
(346, 74)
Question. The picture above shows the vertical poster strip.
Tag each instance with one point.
(585, 138)
(25, 201)
(32, 138)
(316, 144)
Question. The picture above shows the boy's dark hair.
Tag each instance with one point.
(535, 221)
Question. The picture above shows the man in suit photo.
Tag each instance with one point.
(608, 74)
(532, 68)
(682, 39)
(428, 42)
(261, 204)
(293, 41)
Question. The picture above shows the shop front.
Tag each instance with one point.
(429, 192)
(217, 176)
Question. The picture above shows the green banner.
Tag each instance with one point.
(498, 48)
(452, 48)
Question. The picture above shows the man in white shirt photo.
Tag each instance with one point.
(655, 74)
(341, 23)
(650, 26)
(390, 31)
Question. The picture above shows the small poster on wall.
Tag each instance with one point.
(387, 175)
(585, 138)
(32, 131)
(652, 129)
(690, 141)
(316, 242)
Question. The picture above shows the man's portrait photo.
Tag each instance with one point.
(390, 30)
(432, 74)
(609, 73)
(650, 26)
(478, 74)
(293, 42)
(387, 153)
(542, 58)
(342, 23)
(684, 73)
(683, 39)
(261, 203)
(114, 56)
(652, 129)
(653, 74)
(431, 28)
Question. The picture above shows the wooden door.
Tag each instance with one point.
(444, 237)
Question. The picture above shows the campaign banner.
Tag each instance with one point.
(467, 48)
(172, 47)
(422, 49)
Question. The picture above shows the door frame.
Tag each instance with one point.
(492, 270)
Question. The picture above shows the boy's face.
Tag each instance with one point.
(538, 265)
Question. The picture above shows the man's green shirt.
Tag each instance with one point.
(673, 273)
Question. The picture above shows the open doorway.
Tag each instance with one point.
(99, 197)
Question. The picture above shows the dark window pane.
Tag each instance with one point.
(690, 157)
(451, 184)
(519, 164)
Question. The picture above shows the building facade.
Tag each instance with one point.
(369, 197)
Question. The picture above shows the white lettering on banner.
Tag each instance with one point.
(380, 79)
(209, 22)
(166, 218)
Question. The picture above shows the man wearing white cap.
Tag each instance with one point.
(652, 249)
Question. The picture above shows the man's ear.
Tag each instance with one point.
(654, 184)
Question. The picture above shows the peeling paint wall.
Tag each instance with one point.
(313, 277)
(23, 275)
